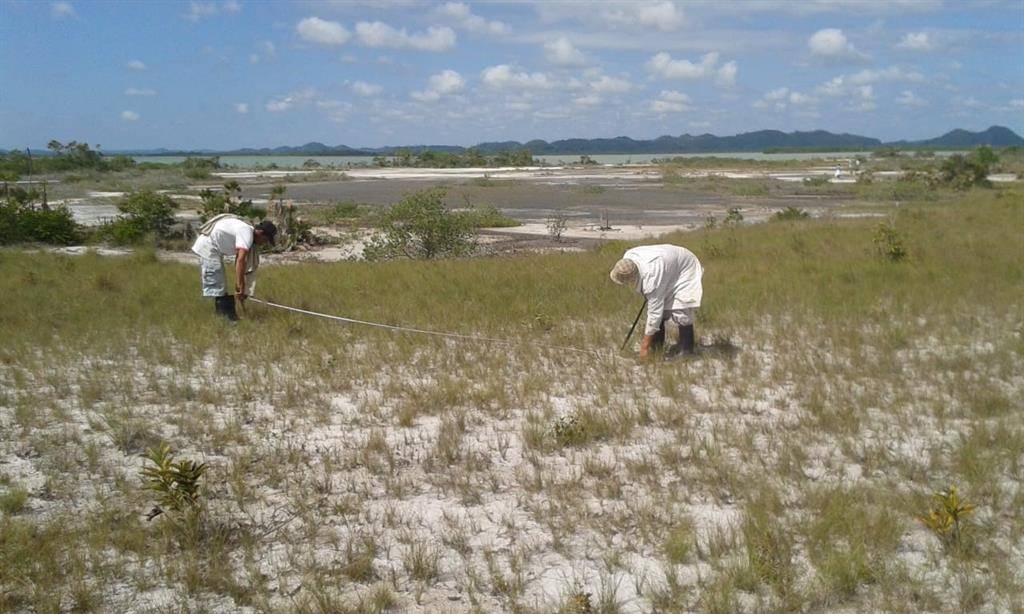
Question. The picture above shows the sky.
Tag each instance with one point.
(224, 74)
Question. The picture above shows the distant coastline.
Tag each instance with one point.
(762, 141)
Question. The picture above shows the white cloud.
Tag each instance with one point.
(61, 10)
(561, 52)
(198, 11)
(287, 102)
(265, 51)
(798, 99)
(911, 100)
(664, 16)
(590, 100)
(831, 43)
(916, 41)
(241, 108)
(775, 98)
(611, 85)
(444, 83)
(335, 110)
(379, 34)
(864, 99)
(129, 116)
(727, 74)
(892, 73)
(671, 101)
(460, 14)
(846, 85)
(503, 76)
(362, 88)
(1017, 103)
(664, 66)
(136, 65)
(134, 91)
(322, 31)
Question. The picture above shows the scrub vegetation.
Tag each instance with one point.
(850, 438)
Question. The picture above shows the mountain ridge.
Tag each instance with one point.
(755, 141)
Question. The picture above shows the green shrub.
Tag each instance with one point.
(153, 211)
(146, 214)
(228, 201)
(21, 223)
(889, 243)
(176, 484)
(197, 173)
(962, 172)
(816, 181)
(790, 214)
(487, 216)
(420, 227)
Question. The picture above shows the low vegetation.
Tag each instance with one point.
(791, 467)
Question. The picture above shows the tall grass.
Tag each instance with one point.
(837, 390)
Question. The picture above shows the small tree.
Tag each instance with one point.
(962, 172)
(421, 227)
(557, 224)
(227, 201)
(149, 211)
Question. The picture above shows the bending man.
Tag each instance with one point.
(229, 235)
(669, 277)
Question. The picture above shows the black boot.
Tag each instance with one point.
(687, 340)
(658, 342)
(686, 346)
(225, 306)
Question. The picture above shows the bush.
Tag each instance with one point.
(962, 172)
(790, 214)
(228, 201)
(487, 216)
(420, 227)
(154, 212)
(889, 243)
(23, 222)
(197, 173)
(146, 214)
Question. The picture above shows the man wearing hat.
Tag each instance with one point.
(229, 235)
(669, 277)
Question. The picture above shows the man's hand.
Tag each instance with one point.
(241, 296)
(645, 347)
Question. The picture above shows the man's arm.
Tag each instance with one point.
(241, 255)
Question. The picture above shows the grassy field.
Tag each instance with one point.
(849, 370)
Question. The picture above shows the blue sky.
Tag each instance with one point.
(230, 73)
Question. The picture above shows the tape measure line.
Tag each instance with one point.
(435, 333)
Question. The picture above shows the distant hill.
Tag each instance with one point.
(996, 136)
(761, 140)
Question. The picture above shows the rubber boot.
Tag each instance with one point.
(658, 342)
(687, 340)
(686, 346)
(225, 306)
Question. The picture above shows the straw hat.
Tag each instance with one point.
(625, 273)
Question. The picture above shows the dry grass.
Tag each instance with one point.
(365, 471)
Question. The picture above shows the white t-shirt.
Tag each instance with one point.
(227, 236)
(670, 278)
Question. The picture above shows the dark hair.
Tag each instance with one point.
(269, 230)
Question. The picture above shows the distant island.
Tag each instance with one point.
(758, 141)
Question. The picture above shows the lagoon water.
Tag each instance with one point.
(554, 160)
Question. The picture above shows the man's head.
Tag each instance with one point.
(625, 273)
(265, 232)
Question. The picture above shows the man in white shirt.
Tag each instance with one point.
(669, 277)
(228, 235)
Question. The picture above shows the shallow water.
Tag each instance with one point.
(297, 161)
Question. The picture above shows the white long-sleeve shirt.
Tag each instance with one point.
(670, 278)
